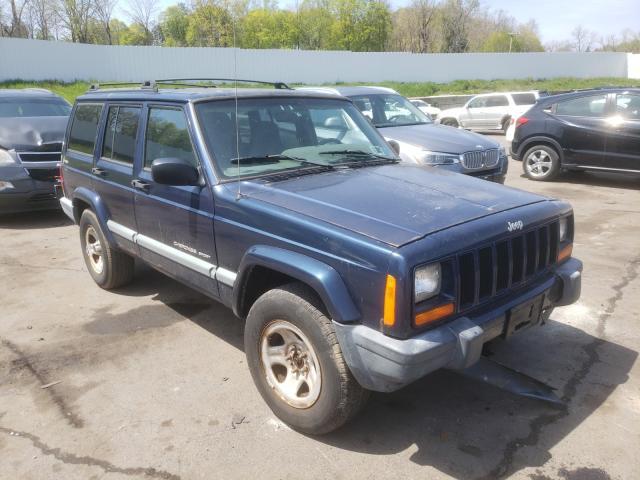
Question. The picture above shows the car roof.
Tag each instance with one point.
(27, 93)
(350, 91)
(193, 94)
(586, 92)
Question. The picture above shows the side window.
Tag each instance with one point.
(591, 106)
(82, 137)
(479, 102)
(497, 101)
(524, 98)
(120, 134)
(628, 106)
(168, 136)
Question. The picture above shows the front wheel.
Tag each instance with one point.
(541, 163)
(296, 362)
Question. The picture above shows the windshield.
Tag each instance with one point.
(278, 134)
(31, 107)
(389, 110)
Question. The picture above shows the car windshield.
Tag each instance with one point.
(389, 110)
(285, 133)
(32, 107)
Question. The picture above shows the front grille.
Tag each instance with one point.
(481, 159)
(39, 156)
(43, 174)
(493, 268)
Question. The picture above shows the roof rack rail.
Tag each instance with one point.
(176, 81)
(97, 86)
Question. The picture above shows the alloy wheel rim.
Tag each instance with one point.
(93, 249)
(290, 364)
(539, 163)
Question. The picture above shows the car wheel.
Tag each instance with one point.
(541, 163)
(505, 125)
(110, 268)
(296, 362)
(449, 122)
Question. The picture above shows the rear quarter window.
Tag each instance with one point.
(524, 98)
(82, 137)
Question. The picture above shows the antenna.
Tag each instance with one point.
(235, 81)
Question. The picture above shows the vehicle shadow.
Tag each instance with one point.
(461, 427)
(629, 181)
(34, 220)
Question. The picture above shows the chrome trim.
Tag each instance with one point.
(184, 259)
(226, 276)
(608, 169)
(67, 207)
(50, 164)
(479, 159)
(121, 230)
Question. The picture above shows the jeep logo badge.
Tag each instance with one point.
(513, 226)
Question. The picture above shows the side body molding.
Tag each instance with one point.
(321, 277)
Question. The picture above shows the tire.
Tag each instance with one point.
(505, 125)
(541, 163)
(109, 268)
(449, 122)
(286, 325)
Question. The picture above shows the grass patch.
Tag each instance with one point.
(410, 89)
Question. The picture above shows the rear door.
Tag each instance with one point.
(80, 145)
(583, 128)
(113, 170)
(623, 144)
(175, 223)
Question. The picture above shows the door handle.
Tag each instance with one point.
(98, 171)
(140, 185)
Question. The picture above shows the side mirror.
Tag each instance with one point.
(395, 146)
(174, 171)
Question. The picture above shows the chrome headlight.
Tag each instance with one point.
(437, 158)
(427, 282)
(564, 229)
(6, 159)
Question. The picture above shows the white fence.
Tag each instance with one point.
(42, 60)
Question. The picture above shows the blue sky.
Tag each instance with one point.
(556, 18)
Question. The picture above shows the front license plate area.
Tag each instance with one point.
(524, 315)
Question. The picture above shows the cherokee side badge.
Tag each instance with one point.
(514, 226)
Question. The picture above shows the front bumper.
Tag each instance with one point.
(27, 193)
(385, 364)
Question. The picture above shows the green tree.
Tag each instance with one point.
(210, 25)
(264, 28)
(360, 25)
(174, 23)
(314, 20)
(134, 34)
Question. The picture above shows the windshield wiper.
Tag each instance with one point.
(359, 153)
(274, 158)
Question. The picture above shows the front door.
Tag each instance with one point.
(174, 223)
(623, 143)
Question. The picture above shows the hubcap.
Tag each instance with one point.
(538, 163)
(93, 249)
(290, 364)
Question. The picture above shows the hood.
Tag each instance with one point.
(394, 204)
(438, 138)
(23, 133)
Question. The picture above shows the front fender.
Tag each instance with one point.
(322, 278)
(96, 204)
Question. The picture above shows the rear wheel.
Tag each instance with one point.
(296, 362)
(505, 125)
(110, 268)
(541, 163)
(450, 122)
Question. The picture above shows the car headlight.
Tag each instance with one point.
(503, 151)
(6, 159)
(564, 229)
(438, 158)
(427, 282)
(5, 185)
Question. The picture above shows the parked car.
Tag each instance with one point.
(352, 273)
(425, 107)
(489, 111)
(596, 130)
(420, 140)
(32, 124)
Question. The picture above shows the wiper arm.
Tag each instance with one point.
(358, 153)
(274, 158)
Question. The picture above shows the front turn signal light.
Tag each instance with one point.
(389, 317)
(434, 314)
(565, 252)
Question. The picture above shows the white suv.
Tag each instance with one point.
(489, 111)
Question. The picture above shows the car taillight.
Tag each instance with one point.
(60, 177)
(521, 121)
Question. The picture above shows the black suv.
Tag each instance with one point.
(32, 125)
(353, 273)
(587, 130)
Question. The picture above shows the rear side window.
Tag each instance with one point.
(168, 136)
(82, 137)
(628, 106)
(591, 106)
(120, 134)
(524, 98)
(497, 101)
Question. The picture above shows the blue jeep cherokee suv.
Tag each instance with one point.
(353, 273)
